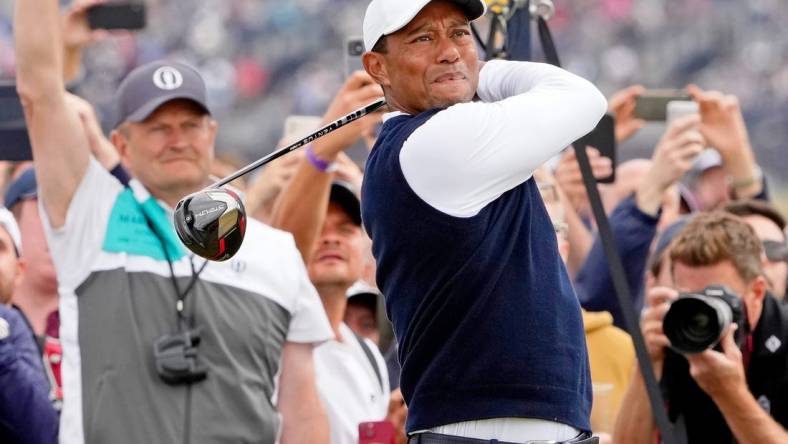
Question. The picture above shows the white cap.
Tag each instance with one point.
(384, 17)
(8, 222)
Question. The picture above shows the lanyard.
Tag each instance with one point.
(180, 297)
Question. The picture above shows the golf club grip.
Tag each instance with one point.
(335, 125)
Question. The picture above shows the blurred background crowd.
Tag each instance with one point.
(264, 60)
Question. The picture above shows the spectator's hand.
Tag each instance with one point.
(673, 156)
(569, 178)
(622, 105)
(658, 301)
(397, 414)
(76, 32)
(719, 373)
(100, 147)
(262, 193)
(359, 90)
(348, 171)
(722, 122)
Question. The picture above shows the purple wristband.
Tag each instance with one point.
(317, 162)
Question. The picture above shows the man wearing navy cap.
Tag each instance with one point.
(160, 346)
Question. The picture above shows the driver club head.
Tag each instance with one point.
(211, 223)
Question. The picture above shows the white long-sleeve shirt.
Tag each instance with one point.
(468, 155)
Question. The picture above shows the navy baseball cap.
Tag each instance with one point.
(344, 194)
(23, 187)
(152, 85)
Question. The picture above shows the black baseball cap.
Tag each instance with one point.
(344, 194)
(152, 85)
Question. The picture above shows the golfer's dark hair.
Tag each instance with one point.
(380, 46)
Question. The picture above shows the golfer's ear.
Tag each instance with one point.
(375, 67)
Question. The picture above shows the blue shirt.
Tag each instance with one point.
(26, 413)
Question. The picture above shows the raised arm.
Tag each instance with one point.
(529, 112)
(302, 206)
(60, 148)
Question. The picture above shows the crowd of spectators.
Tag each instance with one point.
(265, 59)
(716, 173)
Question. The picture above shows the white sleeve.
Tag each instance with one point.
(309, 323)
(469, 154)
(76, 245)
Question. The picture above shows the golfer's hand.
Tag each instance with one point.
(718, 373)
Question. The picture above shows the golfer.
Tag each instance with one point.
(490, 333)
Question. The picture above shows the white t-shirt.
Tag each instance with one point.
(348, 386)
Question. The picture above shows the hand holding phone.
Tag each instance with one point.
(354, 49)
(652, 104)
(297, 127)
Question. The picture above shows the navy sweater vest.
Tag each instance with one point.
(487, 322)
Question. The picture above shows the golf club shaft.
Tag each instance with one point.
(335, 125)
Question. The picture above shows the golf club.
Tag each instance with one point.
(212, 222)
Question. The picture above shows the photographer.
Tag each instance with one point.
(738, 389)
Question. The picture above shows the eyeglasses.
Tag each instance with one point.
(775, 251)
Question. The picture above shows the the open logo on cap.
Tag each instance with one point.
(167, 78)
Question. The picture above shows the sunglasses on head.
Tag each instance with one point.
(775, 251)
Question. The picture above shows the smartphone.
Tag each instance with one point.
(354, 49)
(652, 104)
(297, 127)
(603, 138)
(14, 141)
(117, 16)
(377, 432)
(680, 108)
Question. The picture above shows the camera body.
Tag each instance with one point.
(696, 321)
(176, 358)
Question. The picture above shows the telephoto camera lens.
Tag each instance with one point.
(696, 321)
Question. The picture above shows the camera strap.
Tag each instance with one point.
(631, 318)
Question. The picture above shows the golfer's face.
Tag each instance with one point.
(432, 62)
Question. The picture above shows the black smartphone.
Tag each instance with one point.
(653, 103)
(14, 141)
(117, 16)
(603, 138)
(354, 49)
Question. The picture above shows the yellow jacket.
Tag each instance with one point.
(612, 358)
